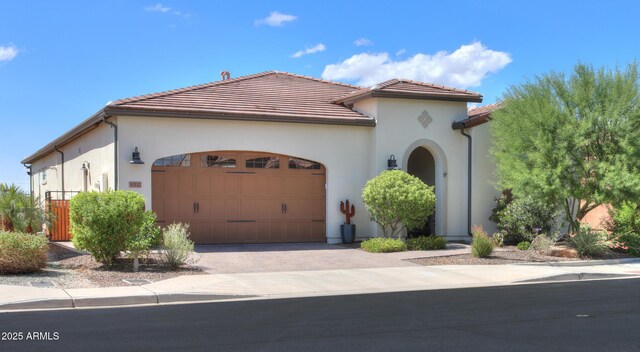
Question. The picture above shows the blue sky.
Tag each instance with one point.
(61, 61)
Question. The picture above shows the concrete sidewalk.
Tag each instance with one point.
(311, 283)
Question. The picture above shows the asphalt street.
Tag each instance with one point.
(578, 316)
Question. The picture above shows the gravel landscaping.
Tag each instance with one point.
(505, 255)
(68, 269)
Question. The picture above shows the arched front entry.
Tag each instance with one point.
(241, 196)
(426, 160)
(422, 165)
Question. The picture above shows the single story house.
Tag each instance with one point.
(268, 157)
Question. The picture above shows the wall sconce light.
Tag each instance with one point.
(391, 163)
(85, 175)
(135, 159)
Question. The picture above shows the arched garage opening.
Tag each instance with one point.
(241, 196)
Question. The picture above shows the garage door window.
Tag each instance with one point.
(181, 160)
(263, 163)
(217, 161)
(296, 163)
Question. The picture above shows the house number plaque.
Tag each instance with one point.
(135, 184)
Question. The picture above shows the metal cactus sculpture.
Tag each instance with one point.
(348, 212)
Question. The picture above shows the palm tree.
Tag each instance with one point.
(18, 212)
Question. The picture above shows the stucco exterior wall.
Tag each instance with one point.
(95, 148)
(483, 182)
(351, 154)
(343, 150)
(399, 131)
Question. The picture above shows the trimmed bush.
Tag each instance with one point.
(482, 244)
(103, 223)
(22, 253)
(383, 245)
(177, 245)
(396, 200)
(149, 236)
(426, 243)
(589, 243)
(524, 218)
(524, 245)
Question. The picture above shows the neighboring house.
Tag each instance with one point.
(268, 157)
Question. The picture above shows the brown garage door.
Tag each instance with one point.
(241, 197)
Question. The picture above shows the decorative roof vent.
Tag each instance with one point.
(225, 75)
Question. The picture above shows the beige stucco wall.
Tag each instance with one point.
(352, 155)
(483, 182)
(399, 132)
(94, 147)
(344, 151)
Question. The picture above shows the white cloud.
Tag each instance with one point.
(7, 53)
(362, 42)
(400, 52)
(157, 8)
(465, 67)
(312, 50)
(276, 19)
(166, 9)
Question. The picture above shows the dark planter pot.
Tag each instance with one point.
(348, 233)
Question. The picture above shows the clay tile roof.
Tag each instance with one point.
(277, 95)
(483, 110)
(479, 115)
(404, 88)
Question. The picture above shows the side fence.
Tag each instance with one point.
(57, 203)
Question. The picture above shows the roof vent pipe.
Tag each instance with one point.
(225, 75)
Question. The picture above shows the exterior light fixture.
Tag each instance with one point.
(391, 163)
(85, 175)
(135, 159)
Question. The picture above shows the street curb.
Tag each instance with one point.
(587, 262)
(188, 297)
(38, 305)
(97, 302)
(576, 277)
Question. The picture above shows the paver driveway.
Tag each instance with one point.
(252, 258)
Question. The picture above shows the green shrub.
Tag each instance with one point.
(176, 244)
(482, 244)
(589, 243)
(103, 223)
(383, 245)
(397, 200)
(22, 253)
(542, 244)
(147, 237)
(524, 245)
(624, 219)
(498, 239)
(632, 243)
(524, 218)
(426, 243)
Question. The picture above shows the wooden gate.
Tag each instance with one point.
(59, 209)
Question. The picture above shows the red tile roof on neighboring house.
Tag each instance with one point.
(403, 88)
(483, 110)
(479, 115)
